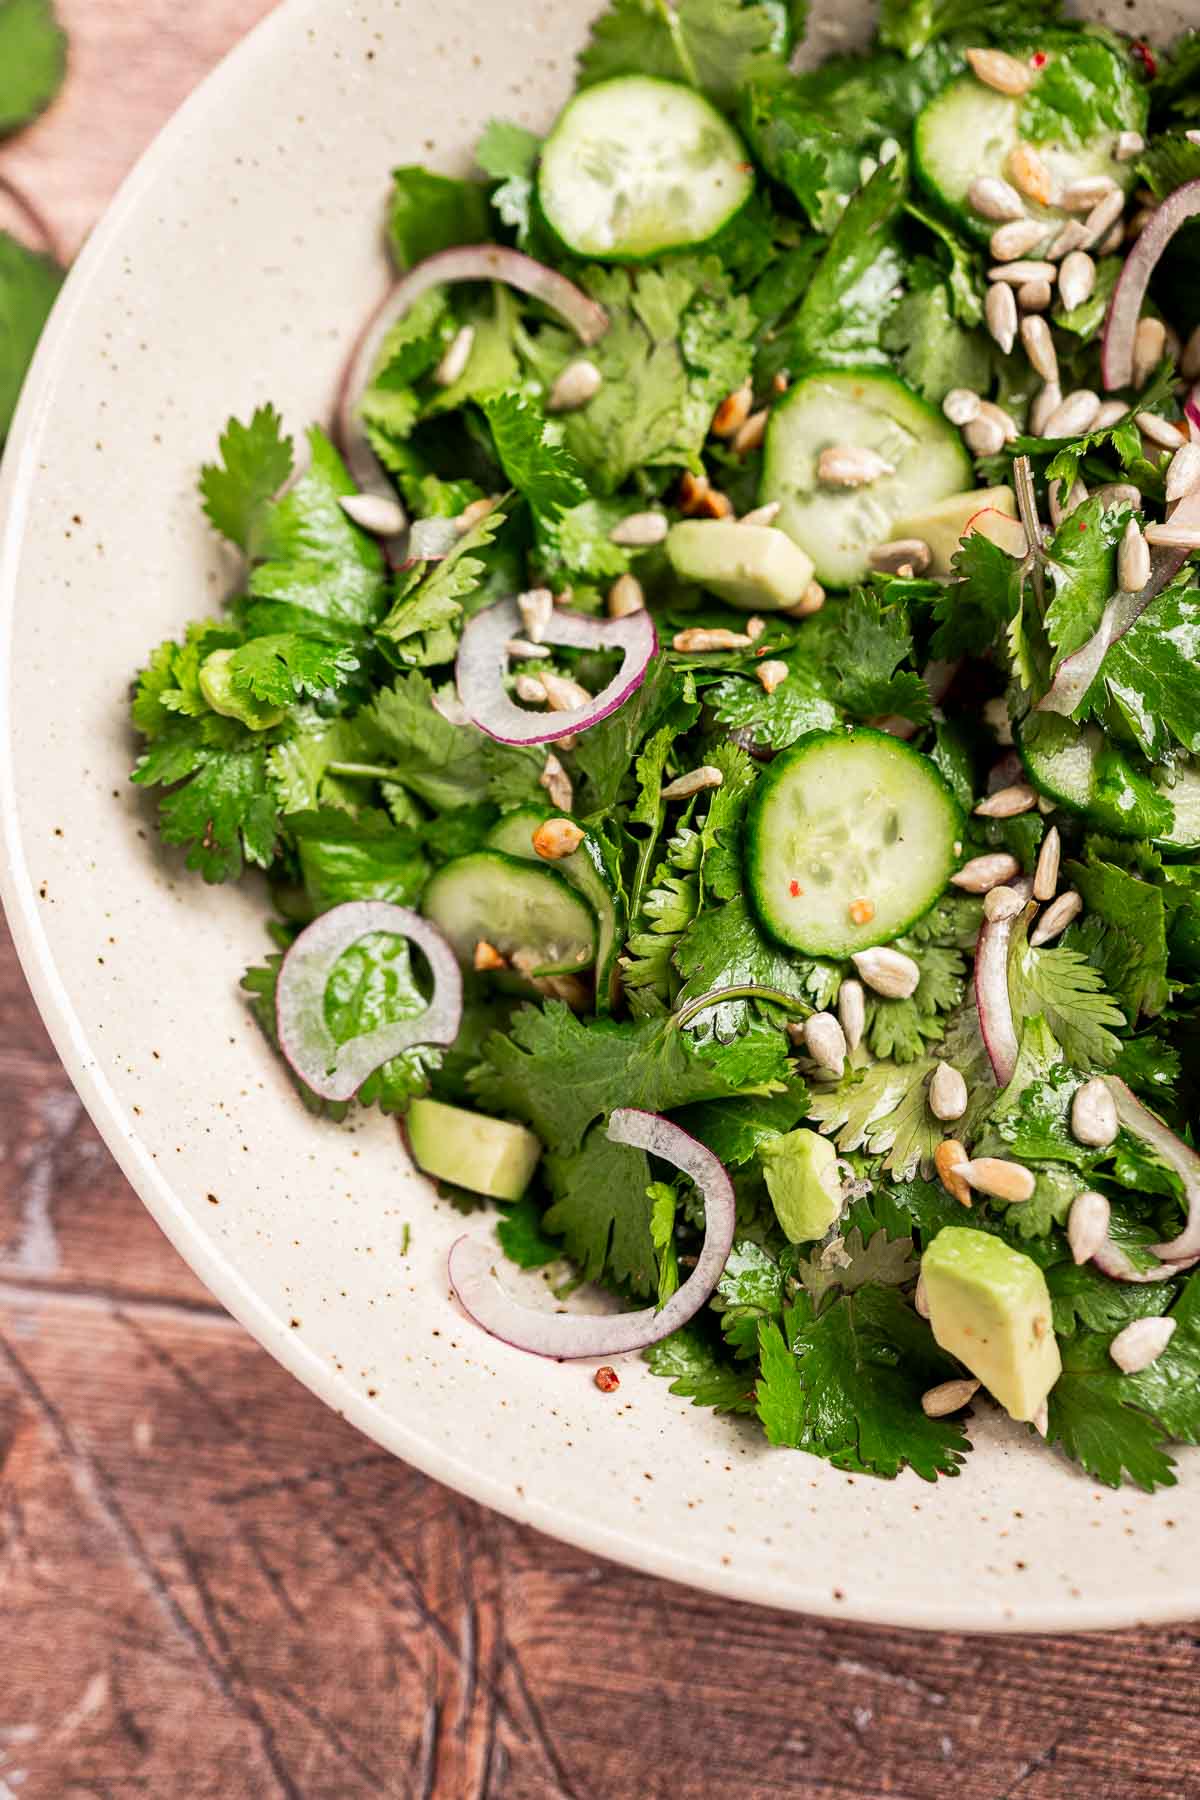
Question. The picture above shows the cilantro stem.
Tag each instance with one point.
(1027, 507)
(745, 991)
(367, 771)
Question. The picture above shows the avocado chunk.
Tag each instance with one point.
(943, 525)
(486, 1156)
(754, 567)
(217, 687)
(989, 1306)
(802, 1179)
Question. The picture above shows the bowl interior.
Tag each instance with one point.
(233, 269)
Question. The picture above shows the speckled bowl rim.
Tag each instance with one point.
(942, 1610)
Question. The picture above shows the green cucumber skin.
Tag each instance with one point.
(1099, 817)
(778, 772)
(601, 858)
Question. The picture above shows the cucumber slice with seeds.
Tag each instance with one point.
(589, 870)
(851, 838)
(636, 166)
(869, 410)
(525, 911)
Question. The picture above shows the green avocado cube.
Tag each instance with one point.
(989, 1306)
(803, 1181)
(757, 568)
(486, 1156)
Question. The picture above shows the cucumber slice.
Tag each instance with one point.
(970, 129)
(871, 410)
(636, 166)
(1078, 767)
(848, 821)
(590, 870)
(527, 912)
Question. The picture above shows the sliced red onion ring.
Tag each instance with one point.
(1125, 307)
(1077, 672)
(566, 1335)
(1171, 1150)
(483, 662)
(992, 1000)
(337, 1071)
(1191, 408)
(1112, 1261)
(467, 262)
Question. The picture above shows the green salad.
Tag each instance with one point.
(719, 717)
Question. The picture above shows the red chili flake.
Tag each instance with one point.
(1145, 55)
(794, 889)
(1039, 59)
(1082, 526)
(607, 1380)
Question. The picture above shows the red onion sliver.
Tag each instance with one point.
(466, 262)
(1112, 1261)
(1125, 307)
(992, 1000)
(565, 1335)
(1178, 1156)
(337, 1071)
(1191, 408)
(483, 662)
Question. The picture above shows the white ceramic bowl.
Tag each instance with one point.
(232, 269)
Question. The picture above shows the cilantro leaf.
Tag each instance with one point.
(533, 461)
(321, 573)
(1082, 1296)
(225, 813)
(1086, 88)
(934, 351)
(734, 1129)
(1094, 1416)
(520, 1229)
(357, 857)
(445, 765)
(422, 626)
(1150, 672)
(857, 283)
(256, 460)
(33, 60)
(974, 611)
(28, 286)
(851, 1262)
(606, 752)
(1123, 935)
(801, 702)
(1170, 1386)
(281, 667)
(910, 25)
(1061, 984)
(699, 1372)
(707, 43)
(724, 947)
(1082, 569)
(509, 155)
(601, 1209)
(431, 212)
(873, 638)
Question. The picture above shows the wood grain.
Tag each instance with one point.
(211, 1586)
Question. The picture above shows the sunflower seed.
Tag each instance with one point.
(694, 782)
(637, 531)
(997, 69)
(755, 628)
(852, 1012)
(911, 553)
(1087, 1224)
(993, 198)
(698, 639)
(947, 1159)
(1008, 425)
(1073, 236)
(625, 596)
(456, 357)
(1128, 146)
(536, 609)
(1076, 415)
(523, 648)
(376, 513)
(1076, 279)
(995, 1175)
(557, 783)
(1030, 175)
(1016, 274)
(1189, 363)
(1103, 216)
(961, 405)
(771, 673)
(1001, 311)
(578, 383)
(1039, 347)
(1173, 537)
(984, 437)
(1111, 413)
(1045, 405)
(750, 435)
(1133, 560)
(556, 838)
(733, 411)
(811, 601)
(563, 694)
(1084, 195)
(948, 1397)
(763, 515)
(1149, 343)
(1057, 916)
(1161, 432)
(985, 872)
(825, 1042)
(1141, 1343)
(1034, 297)
(889, 972)
(1045, 875)
(1015, 239)
(529, 688)
(1041, 1419)
(1183, 476)
(850, 466)
(921, 1298)
(947, 1093)
(1008, 802)
(1002, 903)
(487, 957)
(693, 493)
(995, 717)
(1094, 1119)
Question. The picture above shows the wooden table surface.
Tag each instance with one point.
(211, 1586)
